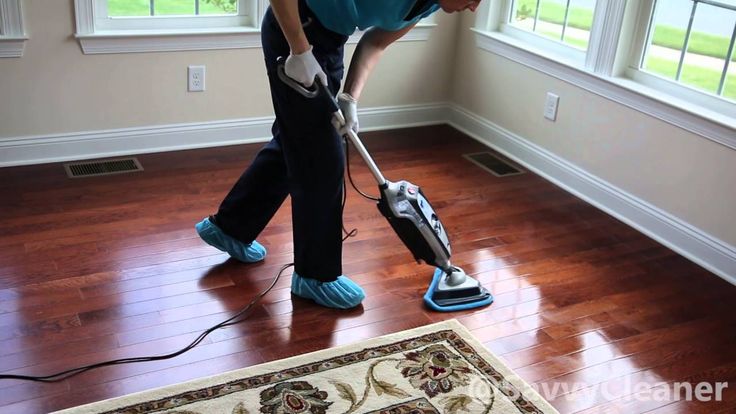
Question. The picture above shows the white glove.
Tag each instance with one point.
(303, 68)
(349, 108)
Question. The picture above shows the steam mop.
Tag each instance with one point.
(415, 222)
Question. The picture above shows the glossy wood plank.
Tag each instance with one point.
(108, 267)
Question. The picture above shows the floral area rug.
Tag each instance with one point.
(438, 368)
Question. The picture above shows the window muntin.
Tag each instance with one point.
(618, 48)
(141, 8)
(173, 14)
(691, 42)
(566, 21)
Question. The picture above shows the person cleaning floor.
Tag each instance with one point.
(305, 158)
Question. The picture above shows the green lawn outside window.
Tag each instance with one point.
(666, 36)
(696, 76)
(706, 79)
(118, 8)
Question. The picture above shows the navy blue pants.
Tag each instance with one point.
(305, 159)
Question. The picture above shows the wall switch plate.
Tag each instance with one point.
(196, 78)
(550, 106)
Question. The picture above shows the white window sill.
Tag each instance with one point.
(137, 41)
(12, 46)
(694, 118)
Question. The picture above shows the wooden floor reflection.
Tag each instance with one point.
(109, 267)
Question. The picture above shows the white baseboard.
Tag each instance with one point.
(709, 252)
(128, 141)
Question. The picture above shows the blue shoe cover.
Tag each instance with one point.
(342, 293)
(244, 252)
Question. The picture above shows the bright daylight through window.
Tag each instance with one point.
(130, 8)
(681, 53)
(132, 26)
(173, 14)
(567, 21)
(692, 42)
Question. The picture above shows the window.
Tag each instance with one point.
(562, 27)
(173, 14)
(691, 43)
(567, 21)
(120, 26)
(672, 59)
(122, 8)
(123, 26)
(12, 34)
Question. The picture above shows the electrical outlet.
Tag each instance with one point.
(550, 106)
(196, 78)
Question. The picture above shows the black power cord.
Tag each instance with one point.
(350, 176)
(235, 319)
(353, 232)
(59, 376)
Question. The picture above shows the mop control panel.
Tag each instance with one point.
(416, 223)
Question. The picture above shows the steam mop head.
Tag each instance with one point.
(469, 297)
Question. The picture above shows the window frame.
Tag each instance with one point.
(12, 31)
(617, 23)
(95, 40)
(669, 86)
(247, 13)
(99, 40)
(556, 47)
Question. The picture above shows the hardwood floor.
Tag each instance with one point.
(98, 268)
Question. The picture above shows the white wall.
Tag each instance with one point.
(55, 89)
(680, 173)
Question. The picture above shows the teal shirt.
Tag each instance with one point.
(343, 16)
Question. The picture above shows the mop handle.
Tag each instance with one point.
(364, 154)
(320, 91)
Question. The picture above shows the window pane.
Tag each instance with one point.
(120, 8)
(173, 7)
(130, 8)
(729, 90)
(579, 22)
(707, 44)
(522, 14)
(551, 18)
(567, 21)
(218, 6)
